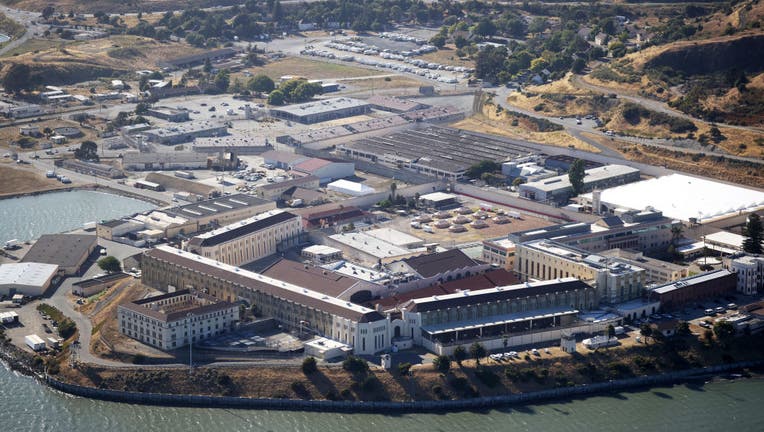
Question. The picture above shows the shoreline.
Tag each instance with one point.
(12, 358)
(88, 187)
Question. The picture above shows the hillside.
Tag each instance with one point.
(115, 6)
(54, 63)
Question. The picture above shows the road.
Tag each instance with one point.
(589, 126)
(651, 104)
(25, 18)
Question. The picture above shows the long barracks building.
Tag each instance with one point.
(294, 306)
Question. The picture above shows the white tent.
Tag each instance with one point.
(350, 188)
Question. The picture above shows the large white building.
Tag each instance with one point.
(249, 240)
(616, 281)
(173, 320)
(750, 274)
(28, 278)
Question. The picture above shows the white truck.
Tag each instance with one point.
(35, 342)
(184, 174)
(11, 244)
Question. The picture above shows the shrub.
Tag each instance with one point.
(442, 363)
(404, 368)
(487, 376)
(309, 366)
(355, 365)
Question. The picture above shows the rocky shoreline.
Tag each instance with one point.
(89, 187)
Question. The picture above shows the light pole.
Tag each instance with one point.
(189, 317)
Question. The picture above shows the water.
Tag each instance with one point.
(25, 405)
(27, 218)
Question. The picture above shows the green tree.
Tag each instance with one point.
(404, 368)
(754, 234)
(477, 170)
(142, 108)
(47, 12)
(88, 151)
(477, 351)
(438, 41)
(276, 97)
(485, 28)
(576, 176)
(261, 83)
(393, 188)
(683, 328)
(610, 331)
(618, 49)
(518, 181)
(724, 331)
(18, 77)
(309, 366)
(222, 80)
(579, 64)
(110, 264)
(645, 330)
(460, 354)
(442, 363)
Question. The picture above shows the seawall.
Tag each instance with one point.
(388, 407)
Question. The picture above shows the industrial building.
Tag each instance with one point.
(92, 168)
(326, 171)
(184, 220)
(320, 254)
(558, 189)
(168, 114)
(164, 161)
(364, 248)
(434, 151)
(250, 239)
(322, 110)
(683, 197)
(703, 286)
(237, 144)
(221, 211)
(394, 104)
(292, 305)
(185, 132)
(283, 160)
(439, 200)
(176, 319)
(28, 278)
(351, 188)
(90, 287)
(68, 251)
(333, 214)
(277, 190)
(616, 281)
(642, 231)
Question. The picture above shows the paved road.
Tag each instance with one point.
(25, 18)
(653, 105)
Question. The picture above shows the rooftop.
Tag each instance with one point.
(683, 197)
(321, 106)
(170, 157)
(271, 286)
(371, 245)
(317, 278)
(393, 103)
(438, 196)
(692, 280)
(241, 228)
(395, 237)
(64, 250)
(592, 175)
(446, 149)
(216, 205)
(195, 303)
(465, 298)
(27, 273)
(312, 165)
(432, 264)
(286, 184)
